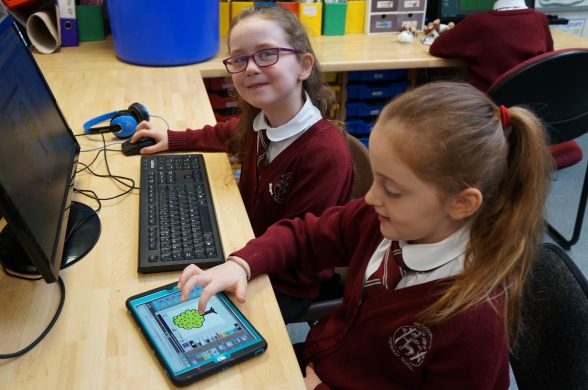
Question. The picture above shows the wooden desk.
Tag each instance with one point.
(95, 344)
(335, 53)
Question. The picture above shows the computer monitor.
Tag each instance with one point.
(38, 158)
(455, 10)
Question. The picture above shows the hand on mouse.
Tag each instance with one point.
(146, 129)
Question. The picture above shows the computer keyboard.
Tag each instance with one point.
(177, 222)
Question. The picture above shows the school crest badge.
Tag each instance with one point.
(411, 344)
(281, 187)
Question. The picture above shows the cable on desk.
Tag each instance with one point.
(47, 329)
(102, 147)
(162, 119)
(130, 184)
(81, 222)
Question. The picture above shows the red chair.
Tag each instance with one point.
(555, 86)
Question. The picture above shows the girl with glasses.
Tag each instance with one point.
(293, 160)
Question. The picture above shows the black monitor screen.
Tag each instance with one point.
(463, 7)
(38, 155)
(455, 10)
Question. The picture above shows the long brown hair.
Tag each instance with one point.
(458, 141)
(320, 94)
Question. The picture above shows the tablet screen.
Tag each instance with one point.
(187, 340)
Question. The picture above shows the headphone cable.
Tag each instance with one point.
(117, 177)
(130, 184)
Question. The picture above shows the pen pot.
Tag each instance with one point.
(161, 33)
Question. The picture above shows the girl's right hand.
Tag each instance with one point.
(228, 276)
(146, 129)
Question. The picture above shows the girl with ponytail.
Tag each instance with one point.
(438, 251)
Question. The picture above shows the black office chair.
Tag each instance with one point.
(331, 295)
(551, 351)
(555, 86)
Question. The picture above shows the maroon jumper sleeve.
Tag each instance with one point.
(453, 43)
(208, 139)
(312, 243)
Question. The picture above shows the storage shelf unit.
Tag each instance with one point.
(367, 94)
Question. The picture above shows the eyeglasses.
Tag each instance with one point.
(262, 58)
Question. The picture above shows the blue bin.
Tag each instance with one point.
(164, 33)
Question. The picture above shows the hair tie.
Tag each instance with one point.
(505, 116)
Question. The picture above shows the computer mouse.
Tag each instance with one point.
(130, 149)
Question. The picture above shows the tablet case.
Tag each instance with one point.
(207, 369)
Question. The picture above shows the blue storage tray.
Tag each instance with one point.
(351, 109)
(375, 91)
(377, 75)
(364, 109)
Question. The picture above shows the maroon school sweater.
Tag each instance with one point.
(493, 42)
(312, 174)
(378, 343)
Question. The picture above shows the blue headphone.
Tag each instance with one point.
(122, 123)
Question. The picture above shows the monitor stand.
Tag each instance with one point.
(82, 233)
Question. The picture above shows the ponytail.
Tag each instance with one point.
(465, 140)
(508, 229)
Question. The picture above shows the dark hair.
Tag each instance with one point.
(320, 94)
(456, 140)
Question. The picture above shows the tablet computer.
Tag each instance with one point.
(188, 345)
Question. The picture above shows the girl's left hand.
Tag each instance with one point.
(311, 380)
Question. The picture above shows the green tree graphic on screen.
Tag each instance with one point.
(191, 319)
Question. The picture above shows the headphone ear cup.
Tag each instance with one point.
(128, 123)
(139, 112)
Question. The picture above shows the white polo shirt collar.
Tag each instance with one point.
(425, 257)
(306, 117)
(507, 5)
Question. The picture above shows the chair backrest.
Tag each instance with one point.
(332, 290)
(555, 86)
(362, 171)
(552, 349)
